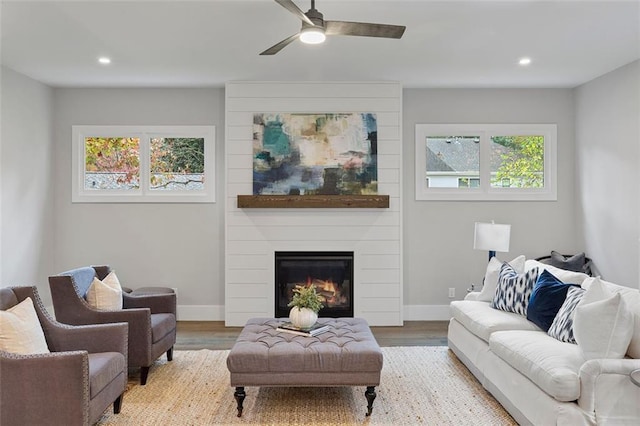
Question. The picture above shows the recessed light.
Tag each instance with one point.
(104, 60)
(524, 61)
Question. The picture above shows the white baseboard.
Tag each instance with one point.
(411, 313)
(426, 313)
(200, 312)
(216, 312)
(188, 312)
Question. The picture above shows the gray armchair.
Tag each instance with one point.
(85, 372)
(151, 317)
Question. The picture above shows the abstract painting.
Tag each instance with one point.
(315, 154)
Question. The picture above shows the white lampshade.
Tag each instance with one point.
(312, 35)
(492, 237)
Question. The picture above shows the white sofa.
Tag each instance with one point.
(540, 380)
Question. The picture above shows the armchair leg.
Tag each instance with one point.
(117, 404)
(144, 372)
(170, 354)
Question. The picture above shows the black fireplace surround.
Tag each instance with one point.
(330, 272)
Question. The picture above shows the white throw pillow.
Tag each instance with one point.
(105, 294)
(492, 274)
(603, 324)
(20, 330)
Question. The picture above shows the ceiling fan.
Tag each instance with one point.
(315, 28)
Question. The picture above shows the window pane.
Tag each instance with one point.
(517, 162)
(453, 161)
(177, 164)
(111, 163)
(468, 183)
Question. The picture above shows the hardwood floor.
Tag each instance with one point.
(194, 335)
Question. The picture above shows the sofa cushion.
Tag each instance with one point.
(514, 290)
(482, 320)
(603, 325)
(546, 299)
(562, 326)
(567, 277)
(492, 274)
(632, 298)
(552, 365)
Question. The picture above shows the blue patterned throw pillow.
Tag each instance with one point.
(514, 290)
(562, 326)
(546, 299)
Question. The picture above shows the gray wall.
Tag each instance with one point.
(438, 236)
(607, 142)
(182, 245)
(174, 245)
(27, 218)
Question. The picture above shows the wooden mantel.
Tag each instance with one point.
(312, 201)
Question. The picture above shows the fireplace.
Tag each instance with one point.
(330, 272)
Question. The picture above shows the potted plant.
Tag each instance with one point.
(305, 305)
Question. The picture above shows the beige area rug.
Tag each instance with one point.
(419, 385)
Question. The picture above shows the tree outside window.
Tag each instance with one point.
(177, 163)
(112, 163)
(517, 161)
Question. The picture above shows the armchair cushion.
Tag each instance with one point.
(105, 294)
(20, 330)
(104, 366)
(161, 325)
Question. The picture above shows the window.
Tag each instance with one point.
(486, 161)
(169, 164)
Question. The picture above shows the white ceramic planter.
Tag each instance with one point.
(302, 317)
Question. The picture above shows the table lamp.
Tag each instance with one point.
(492, 237)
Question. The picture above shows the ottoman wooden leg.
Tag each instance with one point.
(239, 395)
(370, 394)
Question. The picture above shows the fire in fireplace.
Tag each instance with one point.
(330, 272)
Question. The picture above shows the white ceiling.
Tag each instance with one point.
(183, 43)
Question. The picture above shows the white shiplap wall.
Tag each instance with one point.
(254, 235)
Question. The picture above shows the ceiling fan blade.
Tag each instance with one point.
(279, 46)
(363, 29)
(291, 7)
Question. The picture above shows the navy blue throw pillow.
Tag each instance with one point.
(546, 299)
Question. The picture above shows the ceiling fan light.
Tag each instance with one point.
(312, 35)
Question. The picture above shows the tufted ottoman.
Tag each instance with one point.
(345, 355)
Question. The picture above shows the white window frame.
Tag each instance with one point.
(485, 192)
(143, 194)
